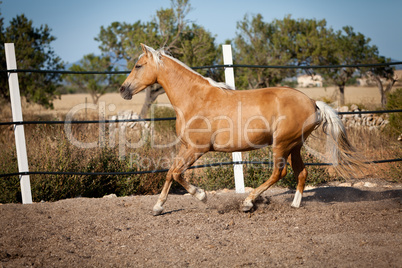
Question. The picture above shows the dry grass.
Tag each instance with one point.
(372, 145)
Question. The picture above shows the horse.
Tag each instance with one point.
(211, 116)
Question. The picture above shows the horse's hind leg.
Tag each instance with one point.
(300, 174)
(279, 171)
(183, 160)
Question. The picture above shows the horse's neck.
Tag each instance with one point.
(181, 85)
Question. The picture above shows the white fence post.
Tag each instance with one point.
(18, 129)
(229, 79)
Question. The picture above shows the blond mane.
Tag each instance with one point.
(157, 57)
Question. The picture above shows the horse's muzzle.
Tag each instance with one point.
(125, 93)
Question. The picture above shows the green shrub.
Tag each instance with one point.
(395, 119)
(168, 126)
(9, 186)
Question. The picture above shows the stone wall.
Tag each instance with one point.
(126, 115)
(370, 121)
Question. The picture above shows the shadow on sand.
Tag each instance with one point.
(350, 194)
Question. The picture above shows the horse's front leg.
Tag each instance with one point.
(185, 158)
(158, 208)
(193, 190)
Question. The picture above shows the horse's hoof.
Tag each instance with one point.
(247, 206)
(157, 210)
(295, 205)
(201, 195)
(297, 200)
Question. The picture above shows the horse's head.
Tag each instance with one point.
(143, 73)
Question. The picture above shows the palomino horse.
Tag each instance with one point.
(212, 117)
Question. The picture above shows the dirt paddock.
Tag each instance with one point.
(336, 227)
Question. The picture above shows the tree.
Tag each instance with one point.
(379, 74)
(95, 84)
(345, 48)
(33, 51)
(169, 29)
(304, 40)
(281, 42)
(301, 42)
(121, 40)
(254, 44)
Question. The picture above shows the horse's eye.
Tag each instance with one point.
(138, 66)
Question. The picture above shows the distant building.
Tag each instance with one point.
(309, 80)
(363, 81)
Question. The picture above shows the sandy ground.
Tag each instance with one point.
(112, 103)
(335, 227)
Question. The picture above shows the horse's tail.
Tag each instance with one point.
(344, 157)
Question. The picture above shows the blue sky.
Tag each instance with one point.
(75, 23)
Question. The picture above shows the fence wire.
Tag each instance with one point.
(151, 119)
(215, 66)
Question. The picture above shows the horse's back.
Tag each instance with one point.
(282, 98)
(295, 111)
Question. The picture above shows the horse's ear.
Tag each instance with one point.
(144, 48)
